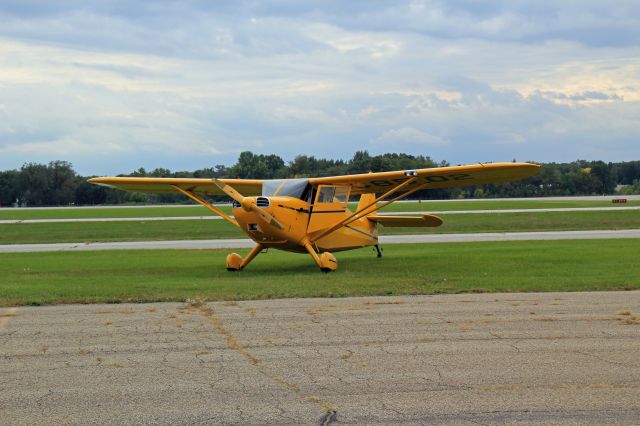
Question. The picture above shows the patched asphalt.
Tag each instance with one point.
(552, 358)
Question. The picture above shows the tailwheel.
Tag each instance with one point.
(234, 262)
(328, 262)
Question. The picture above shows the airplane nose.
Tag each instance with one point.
(246, 204)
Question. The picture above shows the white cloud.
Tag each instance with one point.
(392, 139)
(113, 86)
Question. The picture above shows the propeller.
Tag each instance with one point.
(248, 204)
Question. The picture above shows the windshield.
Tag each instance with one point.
(284, 187)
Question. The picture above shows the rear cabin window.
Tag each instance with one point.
(333, 194)
(325, 195)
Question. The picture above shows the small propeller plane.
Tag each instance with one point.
(312, 215)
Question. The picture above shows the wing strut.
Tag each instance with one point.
(367, 209)
(207, 204)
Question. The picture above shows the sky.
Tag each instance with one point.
(114, 85)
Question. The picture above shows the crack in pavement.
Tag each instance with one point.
(234, 344)
(328, 418)
(6, 317)
(607, 361)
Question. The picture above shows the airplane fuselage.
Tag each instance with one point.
(299, 221)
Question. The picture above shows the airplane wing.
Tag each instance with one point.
(441, 177)
(249, 187)
(410, 181)
(425, 220)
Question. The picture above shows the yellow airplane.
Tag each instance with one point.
(311, 215)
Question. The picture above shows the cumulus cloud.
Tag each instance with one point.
(394, 138)
(112, 86)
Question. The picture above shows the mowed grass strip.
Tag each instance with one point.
(181, 211)
(173, 275)
(505, 204)
(529, 222)
(86, 232)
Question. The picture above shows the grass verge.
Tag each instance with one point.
(173, 275)
(84, 232)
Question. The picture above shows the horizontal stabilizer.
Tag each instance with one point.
(425, 220)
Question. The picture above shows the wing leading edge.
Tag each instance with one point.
(247, 187)
(435, 178)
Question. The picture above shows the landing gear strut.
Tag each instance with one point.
(378, 250)
(326, 261)
(236, 263)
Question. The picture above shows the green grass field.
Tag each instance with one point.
(33, 233)
(158, 275)
(163, 275)
(504, 204)
(107, 212)
(175, 211)
(84, 232)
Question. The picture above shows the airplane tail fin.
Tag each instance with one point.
(368, 226)
(365, 200)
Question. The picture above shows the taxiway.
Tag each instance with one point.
(553, 358)
(388, 239)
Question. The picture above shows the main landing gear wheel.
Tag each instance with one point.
(237, 263)
(234, 262)
(328, 262)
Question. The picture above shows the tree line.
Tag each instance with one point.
(57, 184)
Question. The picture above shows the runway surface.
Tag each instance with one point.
(446, 212)
(553, 358)
(390, 239)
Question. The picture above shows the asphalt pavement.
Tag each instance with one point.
(553, 358)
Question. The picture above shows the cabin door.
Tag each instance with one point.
(329, 206)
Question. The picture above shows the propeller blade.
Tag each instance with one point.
(229, 190)
(266, 216)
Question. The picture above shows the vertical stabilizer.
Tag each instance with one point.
(365, 224)
(365, 200)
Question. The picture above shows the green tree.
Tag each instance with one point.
(632, 189)
(33, 184)
(605, 174)
(47, 185)
(627, 172)
(63, 183)
(9, 187)
(251, 166)
(89, 194)
(360, 163)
